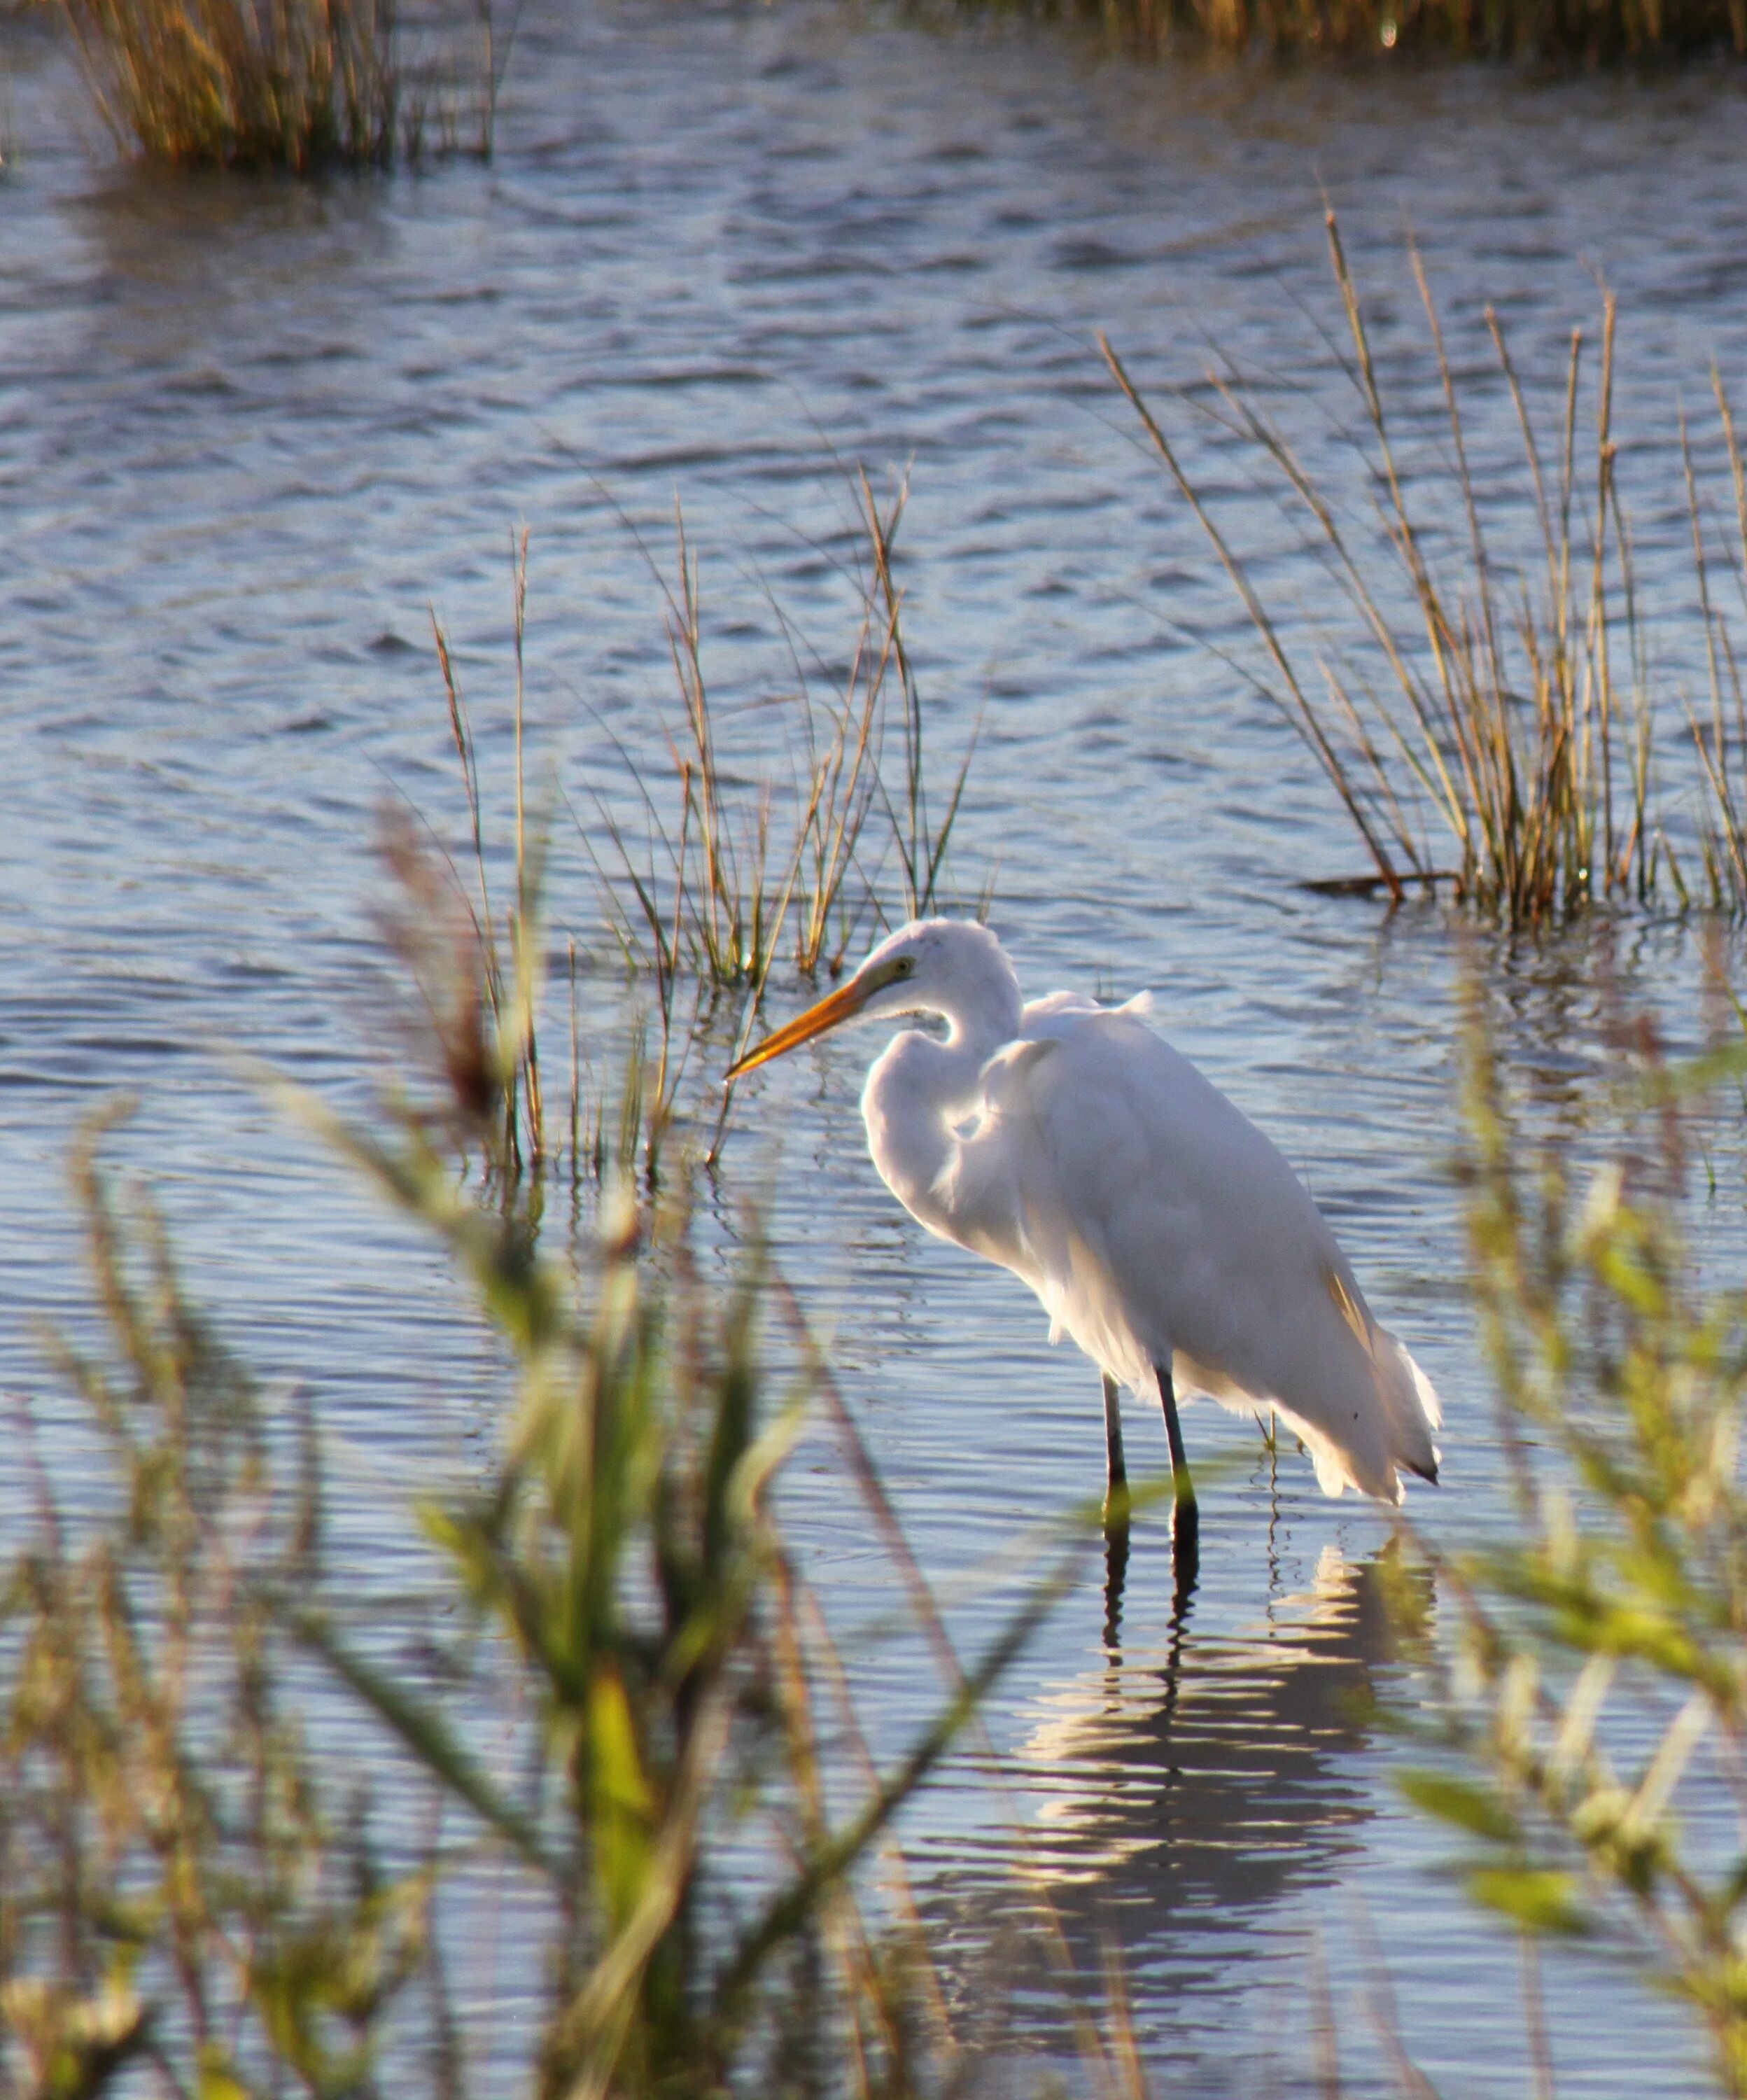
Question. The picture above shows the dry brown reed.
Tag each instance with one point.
(293, 85)
(1502, 704)
(739, 867)
(506, 938)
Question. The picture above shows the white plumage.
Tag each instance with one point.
(1070, 1143)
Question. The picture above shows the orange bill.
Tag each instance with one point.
(843, 1004)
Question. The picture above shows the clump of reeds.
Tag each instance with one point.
(738, 867)
(1600, 1663)
(1570, 32)
(1489, 719)
(741, 865)
(293, 85)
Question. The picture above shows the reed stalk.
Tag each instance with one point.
(1719, 736)
(509, 943)
(922, 838)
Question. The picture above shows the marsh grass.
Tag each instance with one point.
(742, 863)
(298, 86)
(739, 867)
(1490, 725)
(1487, 710)
(1599, 1669)
(1552, 32)
(180, 1894)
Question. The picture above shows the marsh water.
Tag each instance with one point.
(251, 433)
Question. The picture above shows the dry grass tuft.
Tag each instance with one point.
(737, 867)
(297, 85)
(1488, 716)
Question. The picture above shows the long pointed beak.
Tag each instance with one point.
(843, 1004)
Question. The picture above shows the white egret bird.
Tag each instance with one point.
(1160, 1229)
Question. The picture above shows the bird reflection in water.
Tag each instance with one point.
(1194, 1780)
(1193, 1759)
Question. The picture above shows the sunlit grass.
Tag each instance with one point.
(739, 866)
(1481, 693)
(742, 865)
(293, 85)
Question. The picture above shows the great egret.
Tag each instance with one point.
(1068, 1142)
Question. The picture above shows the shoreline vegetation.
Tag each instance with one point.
(308, 86)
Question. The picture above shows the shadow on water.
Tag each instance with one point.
(1191, 1782)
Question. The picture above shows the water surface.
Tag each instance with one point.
(251, 433)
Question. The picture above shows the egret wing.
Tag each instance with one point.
(1160, 1226)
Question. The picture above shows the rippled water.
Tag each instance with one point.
(249, 432)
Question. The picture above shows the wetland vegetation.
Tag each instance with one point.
(308, 85)
(1489, 710)
(299, 86)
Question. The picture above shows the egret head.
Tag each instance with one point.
(951, 967)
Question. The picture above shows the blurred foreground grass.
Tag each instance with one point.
(1592, 1729)
(623, 1716)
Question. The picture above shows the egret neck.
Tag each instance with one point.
(920, 1088)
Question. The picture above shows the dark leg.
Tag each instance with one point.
(1115, 1515)
(1185, 1527)
(1179, 1479)
(1185, 1547)
(1116, 1476)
